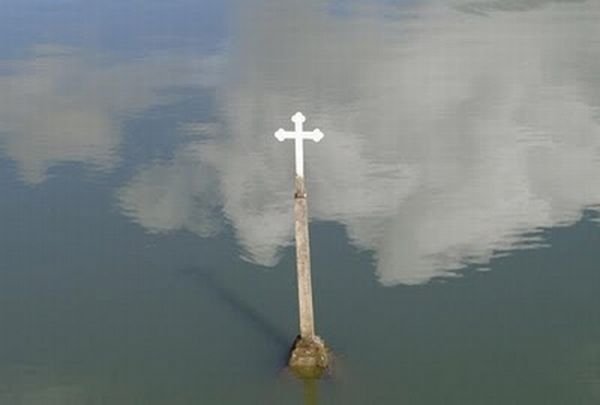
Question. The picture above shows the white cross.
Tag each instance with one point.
(299, 136)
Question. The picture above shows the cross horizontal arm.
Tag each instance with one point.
(299, 135)
(315, 135)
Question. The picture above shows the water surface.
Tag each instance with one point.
(146, 239)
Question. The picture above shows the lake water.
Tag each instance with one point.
(146, 233)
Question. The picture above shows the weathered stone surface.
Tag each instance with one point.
(305, 297)
(309, 358)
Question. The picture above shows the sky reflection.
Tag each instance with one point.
(62, 105)
(449, 137)
(453, 131)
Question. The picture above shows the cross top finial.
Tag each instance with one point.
(299, 135)
(298, 118)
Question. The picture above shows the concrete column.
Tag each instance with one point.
(305, 296)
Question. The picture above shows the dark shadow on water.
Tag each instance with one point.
(206, 278)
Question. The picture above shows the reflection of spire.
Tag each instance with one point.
(207, 280)
(310, 391)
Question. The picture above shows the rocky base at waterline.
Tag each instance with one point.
(309, 358)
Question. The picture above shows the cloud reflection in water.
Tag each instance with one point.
(61, 105)
(449, 136)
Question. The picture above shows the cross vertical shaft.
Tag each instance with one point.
(305, 297)
(298, 120)
(299, 153)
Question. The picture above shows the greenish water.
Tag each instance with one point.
(146, 234)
